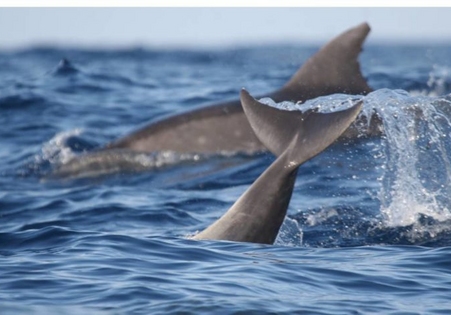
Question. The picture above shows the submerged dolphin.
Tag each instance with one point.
(294, 137)
(223, 127)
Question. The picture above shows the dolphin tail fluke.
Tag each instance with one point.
(333, 69)
(294, 137)
(303, 135)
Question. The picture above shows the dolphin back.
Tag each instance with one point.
(224, 128)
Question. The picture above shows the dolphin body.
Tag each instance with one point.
(294, 137)
(223, 128)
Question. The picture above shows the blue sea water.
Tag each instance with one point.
(368, 229)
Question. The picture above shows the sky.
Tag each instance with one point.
(195, 27)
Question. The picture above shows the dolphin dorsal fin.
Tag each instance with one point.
(333, 69)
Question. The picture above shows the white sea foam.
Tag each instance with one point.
(323, 104)
(55, 150)
(417, 164)
(437, 81)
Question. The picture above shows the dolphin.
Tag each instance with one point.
(294, 137)
(224, 128)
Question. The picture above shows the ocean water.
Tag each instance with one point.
(369, 225)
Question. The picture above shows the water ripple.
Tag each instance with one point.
(121, 244)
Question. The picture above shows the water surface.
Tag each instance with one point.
(368, 228)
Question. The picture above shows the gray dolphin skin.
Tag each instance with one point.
(223, 128)
(294, 137)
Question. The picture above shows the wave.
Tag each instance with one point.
(20, 101)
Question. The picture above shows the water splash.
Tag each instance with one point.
(323, 104)
(414, 158)
(417, 173)
(56, 150)
(290, 233)
(438, 82)
(102, 163)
